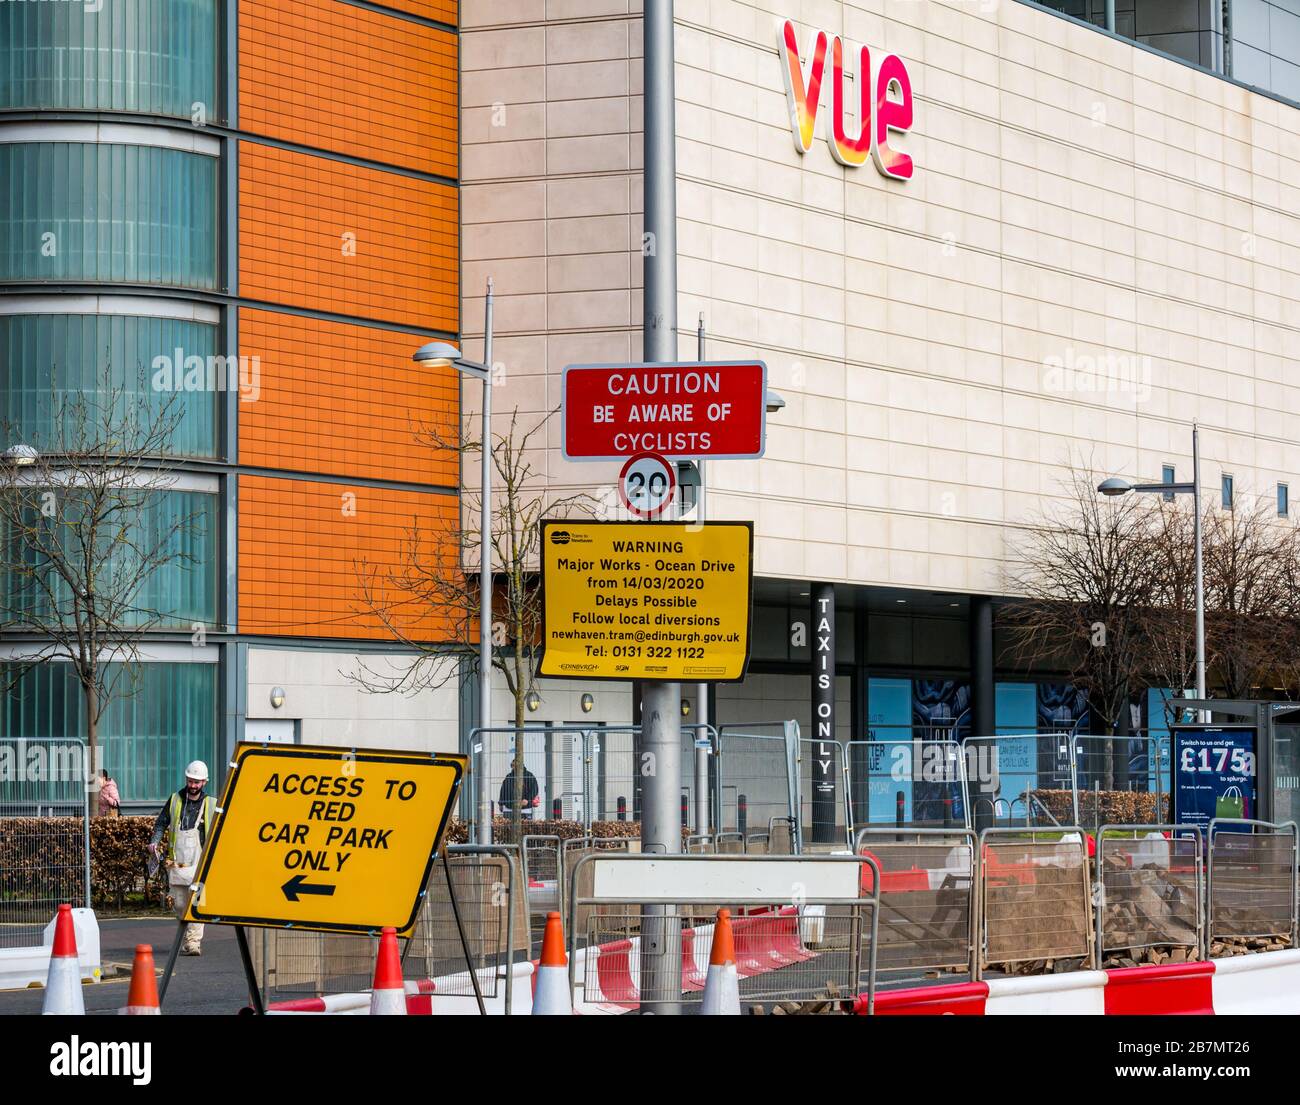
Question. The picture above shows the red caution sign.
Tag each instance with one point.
(693, 409)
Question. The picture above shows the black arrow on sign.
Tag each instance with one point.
(297, 885)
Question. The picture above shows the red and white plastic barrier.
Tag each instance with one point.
(423, 997)
(764, 941)
(1261, 983)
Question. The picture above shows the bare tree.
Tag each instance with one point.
(1247, 597)
(436, 577)
(1086, 577)
(1169, 623)
(83, 537)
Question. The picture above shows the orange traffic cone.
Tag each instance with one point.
(63, 983)
(388, 995)
(722, 986)
(142, 998)
(551, 997)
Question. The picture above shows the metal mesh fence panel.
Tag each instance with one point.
(575, 850)
(484, 886)
(822, 805)
(44, 856)
(1150, 889)
(292, 963)
(612, 778)
(1035, 900)
(547, 775)
(543, 875)
(914, 782)
(1252, 880)
(754, 779)
(1121, 780)
(926, 896)
(1020, 779)
(782, 954)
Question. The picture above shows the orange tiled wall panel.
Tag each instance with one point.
(331, 75)
(330, 236)
(343, 400)
(443, 11)
(300, 547)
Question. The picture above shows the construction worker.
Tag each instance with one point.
(178, 836)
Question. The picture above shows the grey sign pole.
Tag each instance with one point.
(702, 803)
(484, 813)
(661, 703)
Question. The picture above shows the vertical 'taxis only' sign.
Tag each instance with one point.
(825, 751)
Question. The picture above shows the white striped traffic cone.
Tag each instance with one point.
(388, 995)
(551, 997)
(142, 998)
(63, 984)
(722, 985)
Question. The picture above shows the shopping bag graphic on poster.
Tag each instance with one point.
(1231, 803)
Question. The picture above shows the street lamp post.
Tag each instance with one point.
(444, 355)
(772, 403)
(1117, 486)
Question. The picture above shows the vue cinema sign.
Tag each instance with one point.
(884, 105)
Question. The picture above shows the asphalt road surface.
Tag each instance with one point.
(211, 983)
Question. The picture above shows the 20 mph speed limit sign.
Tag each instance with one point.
(647, 485)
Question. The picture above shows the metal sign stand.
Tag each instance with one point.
(171, 963)
(254, 990)
(464, 943)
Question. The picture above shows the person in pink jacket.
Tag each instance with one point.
(110, 802)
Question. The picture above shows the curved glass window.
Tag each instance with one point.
(155, 557)
(161, 717)
(118, 214)
(46, 358)
(153, 56)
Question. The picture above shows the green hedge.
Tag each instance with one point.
(41, 859)
(1106, 807)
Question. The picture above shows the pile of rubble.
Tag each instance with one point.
(1148, 906)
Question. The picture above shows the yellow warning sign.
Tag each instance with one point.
(646, 600)
(331, 839)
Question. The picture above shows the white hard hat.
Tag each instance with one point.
(197, 770)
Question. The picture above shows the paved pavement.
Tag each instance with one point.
(212, 983)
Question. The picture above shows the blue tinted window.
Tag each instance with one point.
(162, 573)
(159, 720)
(153, 56)
(107, 213)
(44, 358)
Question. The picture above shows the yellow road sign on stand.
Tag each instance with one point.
(329, 839)
(646, 600)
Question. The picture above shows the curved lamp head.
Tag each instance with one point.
(440, 354)
(773, 402)
(1114, 486)
(20, 456)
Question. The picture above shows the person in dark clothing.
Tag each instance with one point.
(506, 799)
(178, 837)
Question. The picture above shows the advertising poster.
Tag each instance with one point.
(889, 758)
(1213, 773)
(1062, 708)
(1013, 768)
(941, 711)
